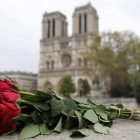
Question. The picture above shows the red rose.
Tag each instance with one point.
(7, 85)
(8, 109)
(9, 96)
(7, 112)
(6, 129)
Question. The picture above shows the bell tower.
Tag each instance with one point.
(61, 54)
(85, 20)
(54, 25)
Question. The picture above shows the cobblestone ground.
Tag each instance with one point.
(121, 130)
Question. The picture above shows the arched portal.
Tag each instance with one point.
(46, 86)
(80, 83)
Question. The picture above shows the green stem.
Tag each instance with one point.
(126, 112)
(26, 102)
(22, 107)
(25, 93)
(26, 115)
(85, 106)
(124, 115)
(82, 109)
(136, 112)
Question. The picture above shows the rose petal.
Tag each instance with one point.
(7, 85)
(7, 114)
(9, 96)
(6, 129)
(10, 105)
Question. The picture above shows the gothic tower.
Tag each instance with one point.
(85, 21)
(61, 55)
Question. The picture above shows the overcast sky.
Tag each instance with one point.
(20, 26)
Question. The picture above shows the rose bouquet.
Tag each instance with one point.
(8, 108)
(45, 113)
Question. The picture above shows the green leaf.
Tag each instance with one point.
(18, 106)
(103, 120)
(118, 105)
(108, 124)
(43, 94)
(89, 101)
(41, 105)
(65, 108)
(47, 117)
(100, 110)
(108, 113)
(64, 113)
(59, 97)
(18, 100)
(36, 98)
(80, 119)
(36, 117)
(90, 126)
(70, 104)
(71, 99)
(17, 87)
(101, 129)
(13, 80)
(71, 120)
(91, 116)
(45, 130)
(56, 119)
(68, 115)
(16, 117)
(71, 112)
(112, 115)
(25, 120)
(58, 127)
(29, 131)
(38, 109)
(56, 107)
(84, 132)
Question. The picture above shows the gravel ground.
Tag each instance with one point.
(121, 130)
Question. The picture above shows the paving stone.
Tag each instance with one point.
(121, 130)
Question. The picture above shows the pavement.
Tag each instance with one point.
(121, 130)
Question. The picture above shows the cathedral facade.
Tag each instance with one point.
(61, 54)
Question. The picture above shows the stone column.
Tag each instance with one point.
(75, 25)
(90, 23)
(44, 32)
(58, 27)
(89, 40)
(74, 21)
(56, 60)
(73, 40)
(74, 58)
(65, 29)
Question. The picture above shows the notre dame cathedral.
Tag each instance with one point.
(61, 54)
